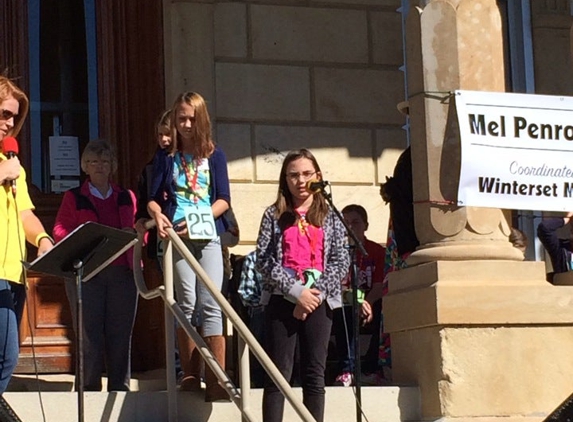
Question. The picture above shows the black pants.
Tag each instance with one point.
(371, 356)
(281, 332)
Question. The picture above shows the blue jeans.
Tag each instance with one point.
(193, 297)
(19, 300)
(9, 346)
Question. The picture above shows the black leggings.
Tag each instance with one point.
(281, 332)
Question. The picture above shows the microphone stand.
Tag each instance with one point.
(353, 245)
(78, 270)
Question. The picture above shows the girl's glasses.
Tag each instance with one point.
(306, 175)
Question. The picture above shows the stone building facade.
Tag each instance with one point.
(282, 75)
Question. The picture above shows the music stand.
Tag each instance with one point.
(82, 255)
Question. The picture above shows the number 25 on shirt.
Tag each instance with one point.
(200, 222)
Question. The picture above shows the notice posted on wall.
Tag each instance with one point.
(62, 185)
(64, 156)
(516, 150)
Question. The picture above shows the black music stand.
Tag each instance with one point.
(81, 255)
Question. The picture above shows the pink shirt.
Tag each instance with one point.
(108, 212)
(303, 247)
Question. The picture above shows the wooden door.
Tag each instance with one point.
(46, 332)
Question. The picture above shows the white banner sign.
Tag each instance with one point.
(517, 151)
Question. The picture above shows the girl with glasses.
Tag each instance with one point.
(302, 261)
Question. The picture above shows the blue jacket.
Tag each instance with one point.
(162, 186)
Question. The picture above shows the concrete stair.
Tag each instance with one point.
(149, 403)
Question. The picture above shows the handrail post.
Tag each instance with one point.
(171, 378)
(244, 375)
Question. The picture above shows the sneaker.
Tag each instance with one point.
(344, 380)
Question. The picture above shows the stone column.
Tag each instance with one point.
(455, 44)
(481, 333)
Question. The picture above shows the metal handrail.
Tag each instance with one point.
(248, 341)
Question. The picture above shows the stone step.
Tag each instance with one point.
(387, 404)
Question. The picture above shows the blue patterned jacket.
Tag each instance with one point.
(276, 280)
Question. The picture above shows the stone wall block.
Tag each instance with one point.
(331, 65)
(250, 91)
(424, 369)
(369, 96)
(476, 387)
(387, 38)
(230, 30)
(348, 159)
(192, 47)
(249, 203)
(413, 28)
(309, 34)
(390, 143)
(235, 141)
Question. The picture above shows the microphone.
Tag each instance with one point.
(315, 186)
(10, 150)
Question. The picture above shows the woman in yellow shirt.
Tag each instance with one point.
(18, 224)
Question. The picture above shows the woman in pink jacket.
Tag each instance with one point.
(110, 298)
